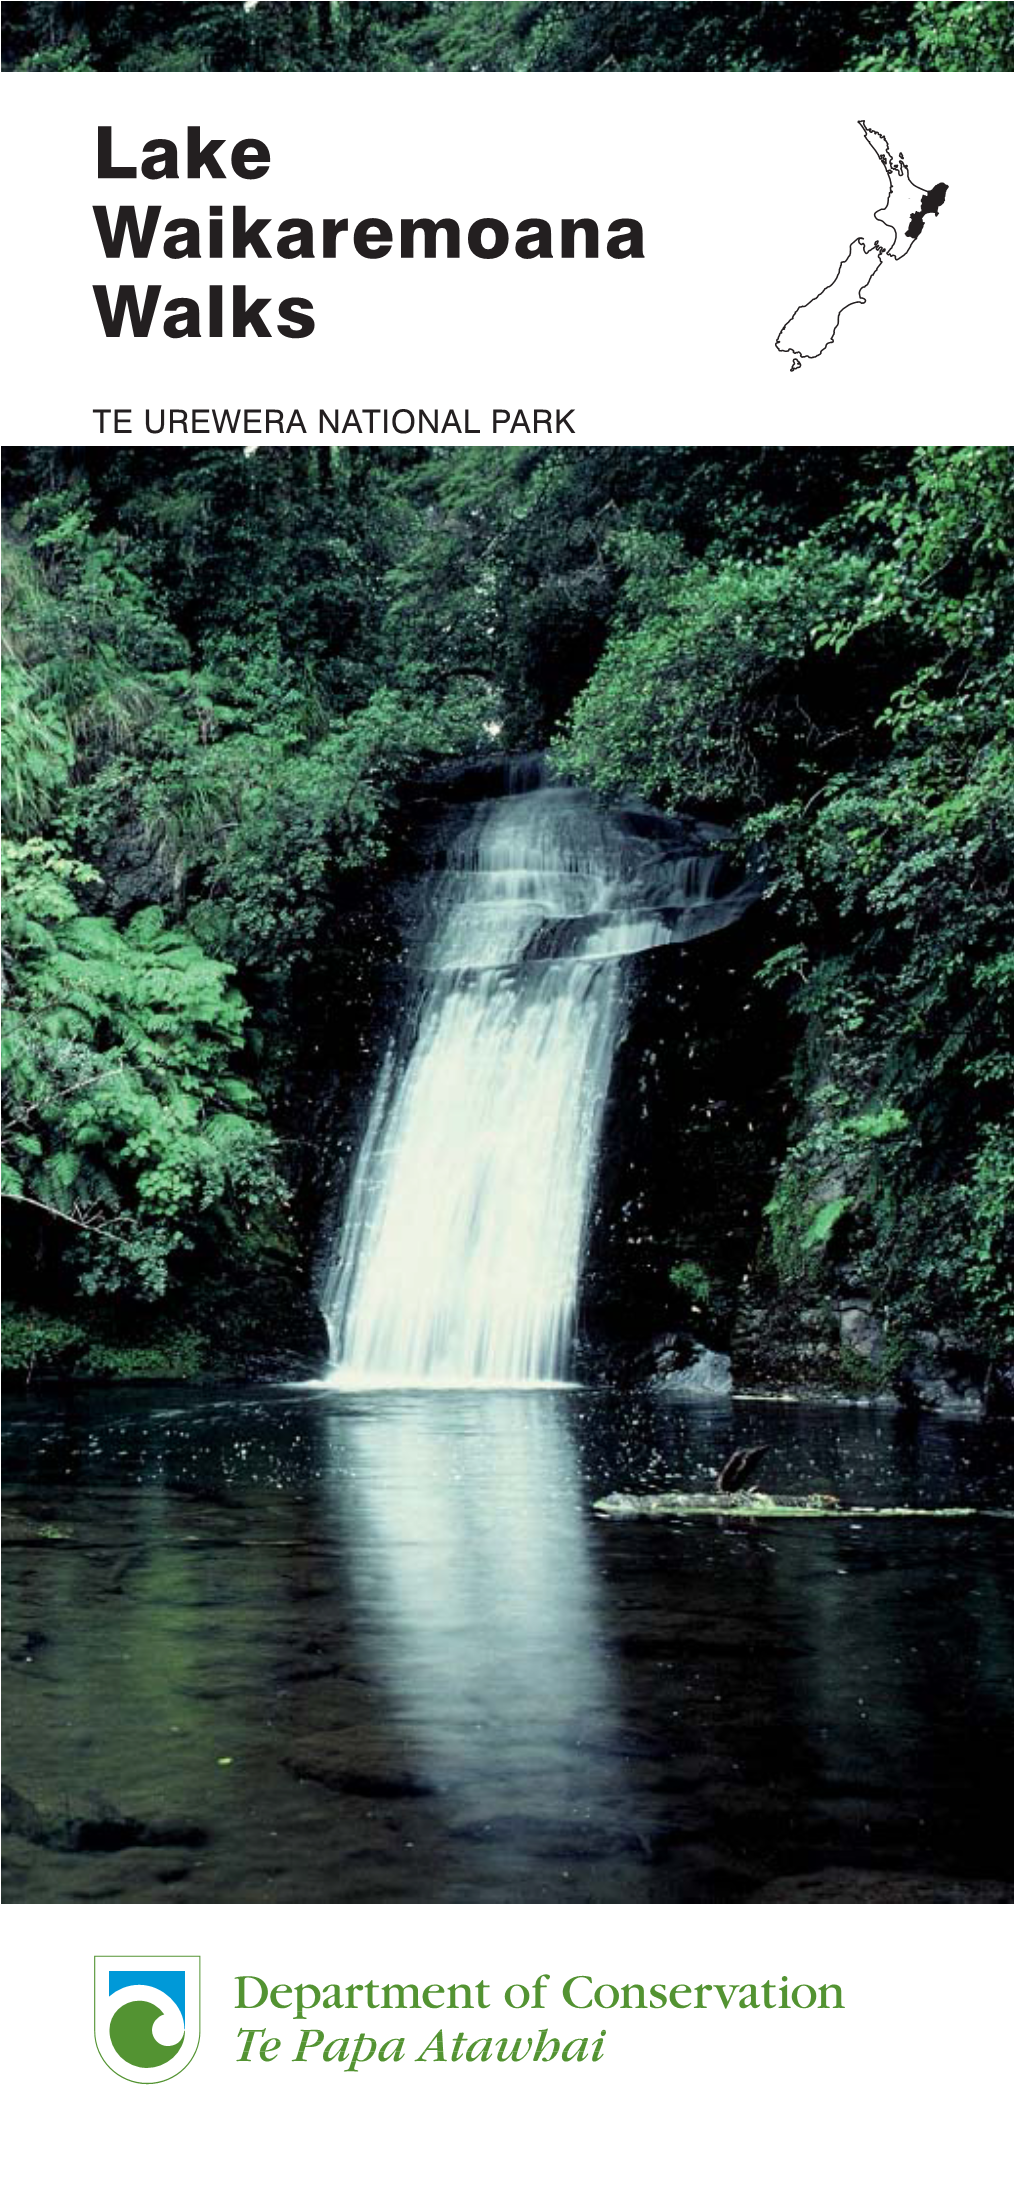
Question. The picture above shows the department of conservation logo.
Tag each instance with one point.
(147, 2015)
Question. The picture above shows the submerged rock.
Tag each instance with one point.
(879, 1886)
(102, 1829)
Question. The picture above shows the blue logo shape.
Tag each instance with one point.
(170, 1980)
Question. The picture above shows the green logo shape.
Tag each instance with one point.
(132, 2037)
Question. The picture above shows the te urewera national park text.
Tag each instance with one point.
(232, 232)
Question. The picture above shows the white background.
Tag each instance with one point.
(750, 189)
(906, 2088)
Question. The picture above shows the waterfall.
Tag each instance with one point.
(460, 1252)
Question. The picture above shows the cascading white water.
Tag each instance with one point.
(460, 1253)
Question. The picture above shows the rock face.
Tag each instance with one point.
(839, 1350)
(783, 1343)
(944, 1375)
(692, 1135)
(277, 1332)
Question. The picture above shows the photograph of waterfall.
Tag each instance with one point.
(507, 1169)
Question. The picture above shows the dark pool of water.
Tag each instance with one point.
(286, 1644)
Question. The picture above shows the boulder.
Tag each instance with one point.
(861, 1330)
(708, 1374)
(944, 1375)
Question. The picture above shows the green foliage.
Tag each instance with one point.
(802, 1217)
(42, 1345)
(816, 1234)
(848, 697)
(692, 1281)
(211, 704)
(984, 1212)
(39, 1341)
(708, 683)
(125, 1117)
(976, 35)
(866, 1376)
(511, 35)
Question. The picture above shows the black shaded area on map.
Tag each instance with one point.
(930, 203)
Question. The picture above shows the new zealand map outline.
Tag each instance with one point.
(812, 327)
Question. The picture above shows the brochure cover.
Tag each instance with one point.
(507, 1165)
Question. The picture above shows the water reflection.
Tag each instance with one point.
(478, 1611)
(311, 1645)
